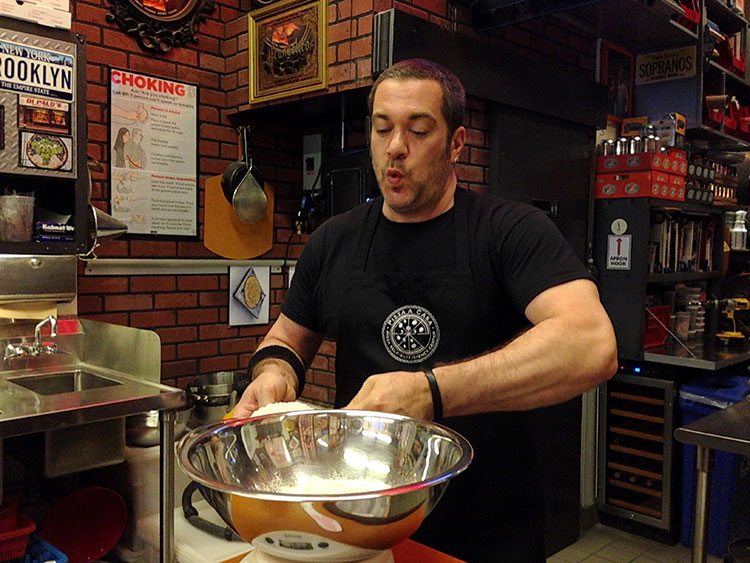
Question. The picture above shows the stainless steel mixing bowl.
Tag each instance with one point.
(271, 478)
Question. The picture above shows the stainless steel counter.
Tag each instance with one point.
(726, 430)
(100, 372)
(24, 411)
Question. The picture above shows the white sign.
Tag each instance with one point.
(36, 71)
(618, 252)
(154, 154)
(671, 64)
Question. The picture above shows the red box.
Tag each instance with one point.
(678, 164)
(673, 161)
(640, 183)
(655, 161)
(676, 183)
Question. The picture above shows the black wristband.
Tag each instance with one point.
(437, 402)
(281, 353)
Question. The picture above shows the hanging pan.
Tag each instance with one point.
(243, 186)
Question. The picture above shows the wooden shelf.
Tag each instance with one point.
(635, 470)
(636, 488)
(635, 507)
(636, 452)
(637, 398)
(636, 434)
(638, 416)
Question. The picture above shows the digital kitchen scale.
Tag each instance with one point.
(292, 546)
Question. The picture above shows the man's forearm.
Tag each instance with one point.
(555, 360)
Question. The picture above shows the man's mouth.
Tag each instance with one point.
(394, 176)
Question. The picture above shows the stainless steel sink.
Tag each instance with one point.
(65, 382)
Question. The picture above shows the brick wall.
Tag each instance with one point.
(190, 312)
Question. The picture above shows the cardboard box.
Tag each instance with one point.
(670, 128)
(35, 13)
(632, 126)
(646, 183)
(673, 161)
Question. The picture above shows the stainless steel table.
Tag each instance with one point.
(726, 430)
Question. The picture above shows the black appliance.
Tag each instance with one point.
(348, 181)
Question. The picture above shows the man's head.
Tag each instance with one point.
(137, 135)
(454, 96)
(416, 109)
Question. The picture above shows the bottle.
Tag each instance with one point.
(738, 231)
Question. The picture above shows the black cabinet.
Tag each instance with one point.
(43, 109)
(650, 263)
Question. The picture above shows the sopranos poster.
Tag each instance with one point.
(153, 154)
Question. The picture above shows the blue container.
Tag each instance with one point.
(728, 479)
(40, 551)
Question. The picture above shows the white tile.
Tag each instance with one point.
(643, 559)
(572, 554)
(633, 545)
(596, 559)
(611, 553)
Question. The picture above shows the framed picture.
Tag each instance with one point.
(153, 153)
(249, 290)
(288, 49)
(617, 65)
(160, 25)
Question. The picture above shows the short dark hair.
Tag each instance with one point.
(454, 95)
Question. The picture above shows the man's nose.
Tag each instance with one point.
(397, 146)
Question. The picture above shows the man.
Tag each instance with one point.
(431, 284)
(134, 152)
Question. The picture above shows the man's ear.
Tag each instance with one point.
(457, 143)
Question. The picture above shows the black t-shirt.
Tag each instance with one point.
(516, 253)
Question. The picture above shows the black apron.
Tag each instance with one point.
(403, 321)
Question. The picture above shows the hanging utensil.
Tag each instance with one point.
(249, 201)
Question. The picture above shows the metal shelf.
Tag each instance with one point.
(728, 20)
(677, 277)
(634, 24)
(705, 139)
(704, 354)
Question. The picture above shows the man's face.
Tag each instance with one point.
(410, 149)
(137, 137)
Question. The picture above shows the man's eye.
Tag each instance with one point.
(382, 131)
(419, 133)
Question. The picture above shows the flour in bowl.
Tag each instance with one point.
(273, 408)
(314, 485)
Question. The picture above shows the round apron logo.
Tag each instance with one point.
(410, 334)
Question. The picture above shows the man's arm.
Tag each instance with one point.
(570, 349)
(273, 379)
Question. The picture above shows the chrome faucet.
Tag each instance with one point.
(37, 348)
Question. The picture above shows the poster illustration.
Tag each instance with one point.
(154, 154)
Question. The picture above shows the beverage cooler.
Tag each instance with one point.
(44, 181)
(637, 467)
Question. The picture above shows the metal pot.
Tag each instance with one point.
(214, 395)
(142, 430)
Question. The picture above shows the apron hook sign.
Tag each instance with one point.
(160, 25)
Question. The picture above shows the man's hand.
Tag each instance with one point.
(270, 386)
(398, 392)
